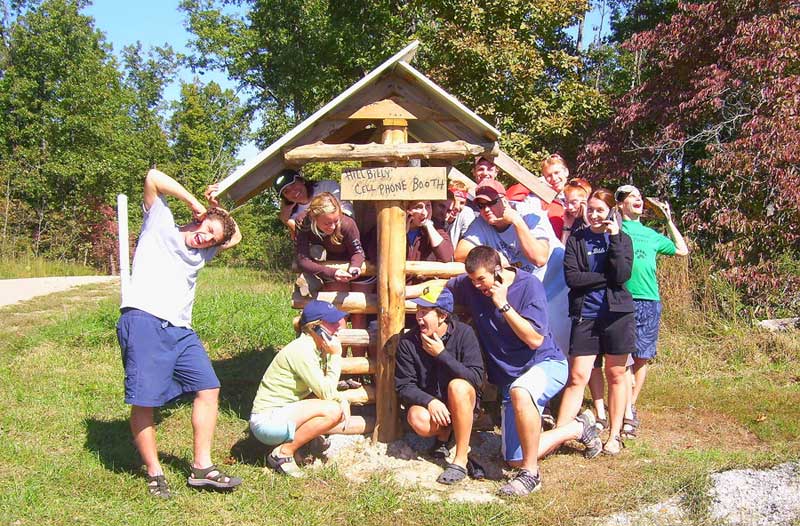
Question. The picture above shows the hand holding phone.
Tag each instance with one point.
(326, 341)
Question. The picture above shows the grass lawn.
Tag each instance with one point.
(718, 397)
(33, 267)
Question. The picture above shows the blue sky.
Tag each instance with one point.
(159, 22)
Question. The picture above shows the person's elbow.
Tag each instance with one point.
(462, 250)
(534, 340)
(682, 251)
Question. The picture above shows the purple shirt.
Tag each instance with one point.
(508, 357)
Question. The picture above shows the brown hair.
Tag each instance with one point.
(482, 257)
(605, 196)
(225, 219)
(325, 203)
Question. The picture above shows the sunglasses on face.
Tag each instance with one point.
(484, 204)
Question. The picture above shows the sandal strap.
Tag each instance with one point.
(160, 488)
(203, 473)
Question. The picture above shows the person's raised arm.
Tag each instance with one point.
(211, 196)
(462, 249)
(158, 183)
(521, 326)
(536, 250)
(681, 248)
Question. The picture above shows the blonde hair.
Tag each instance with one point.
(554, 159)
(325, 203)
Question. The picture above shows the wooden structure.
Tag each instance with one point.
(385, 120)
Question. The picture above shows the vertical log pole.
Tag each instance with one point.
(391, 297)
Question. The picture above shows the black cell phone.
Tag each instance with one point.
(322, 333)
(498, 277)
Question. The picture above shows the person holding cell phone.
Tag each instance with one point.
(283, 415)
(597, 263)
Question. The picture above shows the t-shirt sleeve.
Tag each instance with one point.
(538, 225)
(475, 234)
(664, 245)
(534, 307)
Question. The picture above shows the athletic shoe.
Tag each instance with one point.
(589, 437)
(523, 484)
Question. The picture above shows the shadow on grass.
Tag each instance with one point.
(240, 376)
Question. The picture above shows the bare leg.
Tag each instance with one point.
(461, 403)
(615, 375)
(629, 383)
(529, 426)
(144, 437)
(312, 418)
(204, 421)
(640, 373)
(422, 424)
(551, 440)
(356, 425)
(597, 388)
(580, 367)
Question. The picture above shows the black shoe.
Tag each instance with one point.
(439, 450)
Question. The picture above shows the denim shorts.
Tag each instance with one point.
(648, 320)
(542, 381)
(162, 361)
(274, 426)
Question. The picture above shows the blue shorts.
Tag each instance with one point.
(648, 320)
(542, 381)
(161, 361)
(274, 426)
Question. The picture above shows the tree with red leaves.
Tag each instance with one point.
(714, 126)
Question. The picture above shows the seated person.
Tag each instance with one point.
(296, 193)
(438, 375)
(283, 416)
(453, 211)
(509, 309)
(427, 238)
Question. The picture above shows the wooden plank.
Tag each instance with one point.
(454, 174)
(521, 174)
(361, 396)
(350, 302)
(388, 183)
(387, 153)
(420, 269)
(358, 337)
(358, 364)
(382, 109)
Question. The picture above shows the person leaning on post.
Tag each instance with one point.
(283, 416)
(438, 375)
(162, 356)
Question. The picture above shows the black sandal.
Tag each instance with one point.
(475, 470)
(452, 474)
(157, 486)
(202, 477)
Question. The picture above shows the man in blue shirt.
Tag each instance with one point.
(509, 311)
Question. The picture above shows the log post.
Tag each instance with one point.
(391, 297)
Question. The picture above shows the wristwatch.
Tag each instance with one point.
(505, 308)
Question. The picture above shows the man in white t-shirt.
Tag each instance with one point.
(163, 357)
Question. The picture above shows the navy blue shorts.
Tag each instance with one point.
(648, 321)
(161, 361)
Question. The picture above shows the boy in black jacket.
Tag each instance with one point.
(438, 374)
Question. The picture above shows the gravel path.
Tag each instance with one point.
(17, 290)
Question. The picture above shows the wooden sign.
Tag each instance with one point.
(385, 183)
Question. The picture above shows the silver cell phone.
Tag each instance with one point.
(322, 333)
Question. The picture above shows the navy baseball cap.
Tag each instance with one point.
(436, 296)
(321, 310)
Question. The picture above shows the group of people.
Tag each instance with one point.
(560, 295)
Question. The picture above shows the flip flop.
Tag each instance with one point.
(452, 474)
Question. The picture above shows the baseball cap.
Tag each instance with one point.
(436, 296)
(623, 192)
(284, 179)
(490, 189)
(320, 310)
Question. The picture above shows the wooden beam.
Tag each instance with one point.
(350, 302)
(521, 174)
(387, 153)
(357, 337)
(361, 396)
(420, 269)
(382, 109)
(454, 174)
(358, 364)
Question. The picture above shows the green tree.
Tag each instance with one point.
(64, 119)
(509, 60)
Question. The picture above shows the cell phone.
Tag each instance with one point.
(498, 277)
(322, 333)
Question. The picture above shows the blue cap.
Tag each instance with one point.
(321, 310)
(436, 296)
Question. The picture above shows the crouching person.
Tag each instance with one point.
(282, 414)
(438, 374)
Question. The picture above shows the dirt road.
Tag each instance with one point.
(17, 290)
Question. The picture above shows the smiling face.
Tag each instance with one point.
(484, 169)
(575, 199)
(205, 234)
(454, 207)
(296, 192)
(491, 210)
(556, 175)
(327, 223)
(632, 206)
(596, 212)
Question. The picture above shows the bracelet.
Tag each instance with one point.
(505, 308)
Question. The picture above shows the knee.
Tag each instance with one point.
(578, 378)
(615, 375)
(332, 410)
(459, 390)
(420, 421)
(520, 396)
